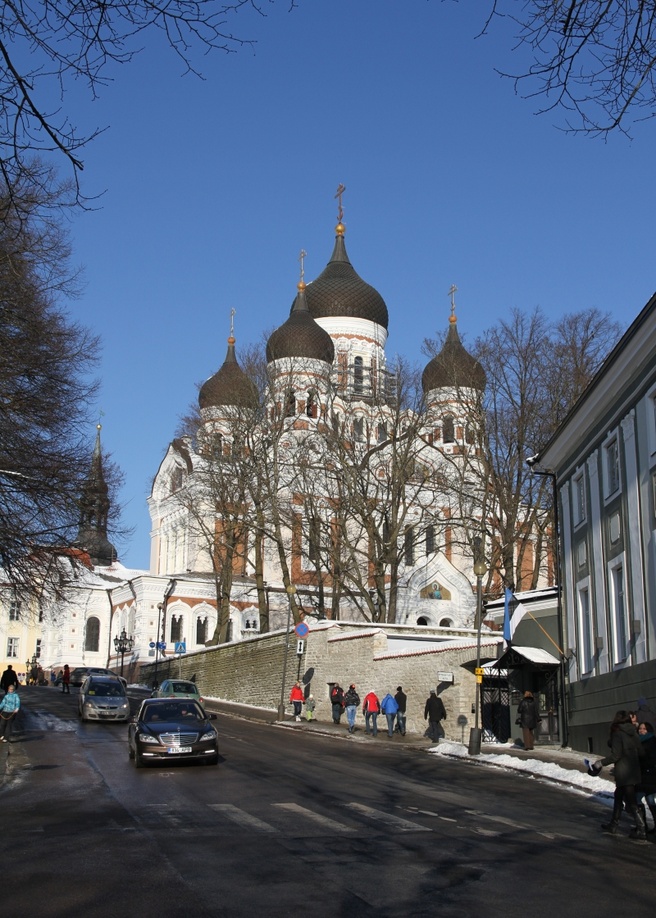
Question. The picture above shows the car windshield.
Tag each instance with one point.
(177, 712)
(184, 687)
(105, 690)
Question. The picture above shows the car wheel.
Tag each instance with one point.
(138, 761)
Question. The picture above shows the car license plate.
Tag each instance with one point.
(177, 750)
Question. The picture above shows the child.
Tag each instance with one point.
(309, 707)
(9, 708)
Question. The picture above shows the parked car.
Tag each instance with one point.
(79, 674)
(172, 728)
(103, 697)
(178, 688)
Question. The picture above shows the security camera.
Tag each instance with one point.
(533, 460)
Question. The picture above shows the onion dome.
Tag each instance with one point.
(229, 385)
(300, 336)
(453, 367)
(340, 292)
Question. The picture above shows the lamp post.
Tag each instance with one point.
(291, 590)
(123, 644)
(29, 666)
(480, 570)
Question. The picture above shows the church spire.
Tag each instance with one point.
(94, 508)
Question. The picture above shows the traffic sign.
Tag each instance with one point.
(152, 645)
(300, 648)
(180, 647)
(301, 630)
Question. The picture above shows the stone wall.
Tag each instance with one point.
(251, 671)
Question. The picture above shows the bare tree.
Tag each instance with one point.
(44, 51)
(594, 60)
(46, 395)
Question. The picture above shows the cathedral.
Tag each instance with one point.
(316, 481)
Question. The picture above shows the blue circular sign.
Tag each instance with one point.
(302, 629)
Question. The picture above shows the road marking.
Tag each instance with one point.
(394, 822)
(241, 818)
(325, 821)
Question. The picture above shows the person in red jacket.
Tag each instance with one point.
(371, 709)
(297, 698)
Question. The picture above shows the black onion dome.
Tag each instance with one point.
(300, 336)
(453, 367)
(229, 385)
(340, 291)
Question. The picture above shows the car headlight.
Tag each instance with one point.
(210, 735)
(125, 706)
(147, 738)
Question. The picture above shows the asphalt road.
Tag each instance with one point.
(290, 824)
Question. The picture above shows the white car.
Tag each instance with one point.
(103, 697)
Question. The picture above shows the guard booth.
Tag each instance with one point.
(527, 669)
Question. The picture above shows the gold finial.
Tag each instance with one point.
(231, 339)
(101, 414)
(452, 294)
(302, 256)
(340, 210)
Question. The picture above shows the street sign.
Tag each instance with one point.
(445, 677)
(180, 647)
(152, 645)
(302, 630)
(300, 648)
(479, 671)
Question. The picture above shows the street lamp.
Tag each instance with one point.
(123, 644)
(29, 666)
(480, 570)
(291, 590)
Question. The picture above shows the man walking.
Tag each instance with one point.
(351, 702)
(371, 710)
(401, 699)
(337, 702)
(8, 678)
(390, 709)
(434, 713)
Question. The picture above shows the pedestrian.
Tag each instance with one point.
(9, 708)
(337, 702)
(528, 718)
(434, 713)
(8, 678)
(390, 708)
(625, 753)
(310, 705)
(297, 698)
(402, 700)
(371, 710)
(646, 790)
(66, 680)
(34, 675)
(351, 702)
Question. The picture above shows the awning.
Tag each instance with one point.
(539, 659)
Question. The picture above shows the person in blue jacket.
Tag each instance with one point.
(9, 708)
(390, 709)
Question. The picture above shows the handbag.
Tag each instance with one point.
(518, 721)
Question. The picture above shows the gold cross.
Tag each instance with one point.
(232, 323)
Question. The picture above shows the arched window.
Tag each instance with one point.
(201, 630)
(92, 636)
(446, 623)
(176, 628)
(382, 432)
(358, 429)
(176, 479)
(422, 621)
(290, 404)
(358, 374)
(430, 539)
(311, 407)
(409, 546)
(448, 429)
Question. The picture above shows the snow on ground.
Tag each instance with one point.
(597, 787)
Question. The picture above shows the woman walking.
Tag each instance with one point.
(528, 718)
(626, 752)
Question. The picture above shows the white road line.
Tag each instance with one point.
(394, 822)
(241, 818)
(324, 821)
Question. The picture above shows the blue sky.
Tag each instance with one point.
(212, 188)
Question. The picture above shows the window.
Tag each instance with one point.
(612, 470)
(586, 631)
(358, 429)
(311, 408)
(382, 432)
(92, 639)
(409, 546)
(201, 630)
(12, 647)
(579, 499)
(448, 429)
(290, 404)
(619, 614)
(38, 648)
(430, 539)
(358, 374)
(15, 610)
(176, 628)
(176, 479)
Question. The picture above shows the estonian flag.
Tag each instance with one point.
(513, 613)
